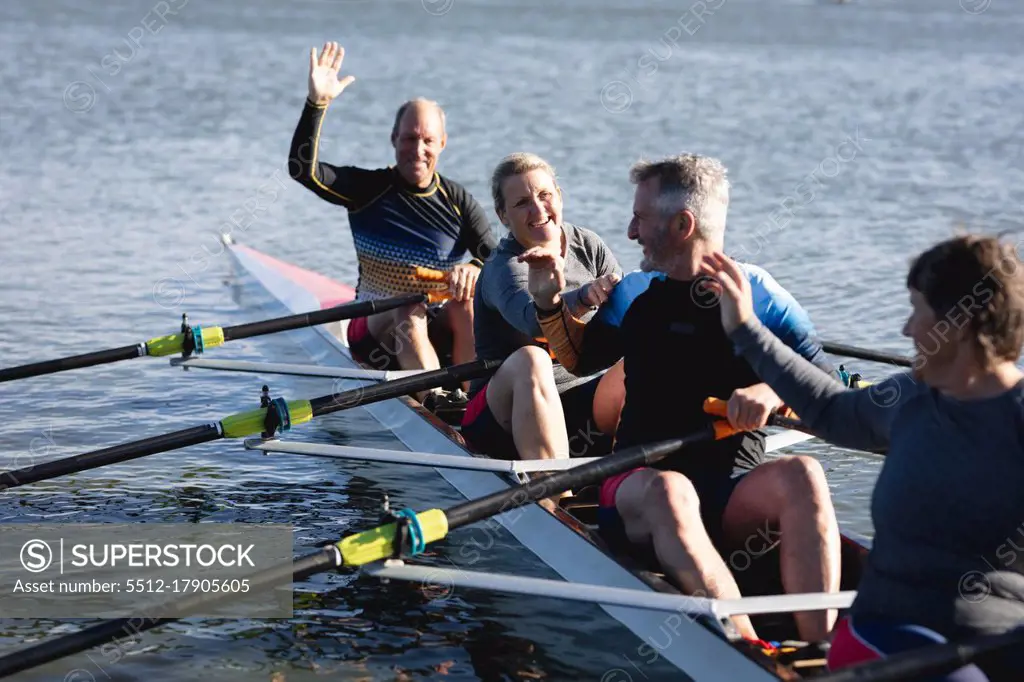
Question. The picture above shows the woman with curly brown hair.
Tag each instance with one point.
(947, 560)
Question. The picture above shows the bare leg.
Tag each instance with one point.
(791, 494)
(523, 399)
(609, 398)
(403, 332)
(459, 317)
(662, 507)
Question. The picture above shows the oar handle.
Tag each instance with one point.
(783, 417)
(430, 275)
(438, 296)
(716, 407)
(723, 429)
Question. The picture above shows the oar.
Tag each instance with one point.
(278, 415)
(430, 275)
(197, 338)
(720, 408)
(865, 354)
(937, 659)
(410, 534)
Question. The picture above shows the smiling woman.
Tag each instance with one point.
(948, 496)
(533, 408)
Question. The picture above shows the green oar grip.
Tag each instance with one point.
(378, 544)
(173, 343)
(251, 422)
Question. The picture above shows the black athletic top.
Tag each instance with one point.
(395, 226)
(676, 355)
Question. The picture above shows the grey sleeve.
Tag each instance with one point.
(505, 290)
(606, 261)
(860, 418)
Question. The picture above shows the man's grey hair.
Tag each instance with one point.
(516, 164)
(419, 100)
(690, 182)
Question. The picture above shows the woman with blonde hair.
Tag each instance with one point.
(533, 408)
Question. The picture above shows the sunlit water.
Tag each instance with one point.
(855, 136)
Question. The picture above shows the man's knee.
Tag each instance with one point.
(526, 371)
(397, 321)
(532, 360)
(670, 496)
(409, 321)
(800, 475)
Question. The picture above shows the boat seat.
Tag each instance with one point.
(582, 505)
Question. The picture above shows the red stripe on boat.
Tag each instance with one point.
(326, 290)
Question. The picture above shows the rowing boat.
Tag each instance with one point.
(700, 645)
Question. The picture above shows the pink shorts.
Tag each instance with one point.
(610, 486)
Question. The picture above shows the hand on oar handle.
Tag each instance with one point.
(429, 275)
(438, 296)
(781, 416)
(461, 280)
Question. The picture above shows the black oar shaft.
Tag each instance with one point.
(74, 362)
(404, 386)
(122, 628)
(865, 354)
(210, 432)
(788, 423)
(111, 455)
(346, 311)
(55, 649)
(173, 344)
(329, 557)
(587, 474)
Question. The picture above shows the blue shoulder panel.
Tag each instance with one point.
(623, 295)
(780, 313)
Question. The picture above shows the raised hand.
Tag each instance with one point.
(324, 85)
(736, 300)
(547, 277)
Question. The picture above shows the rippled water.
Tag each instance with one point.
(868, 131)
